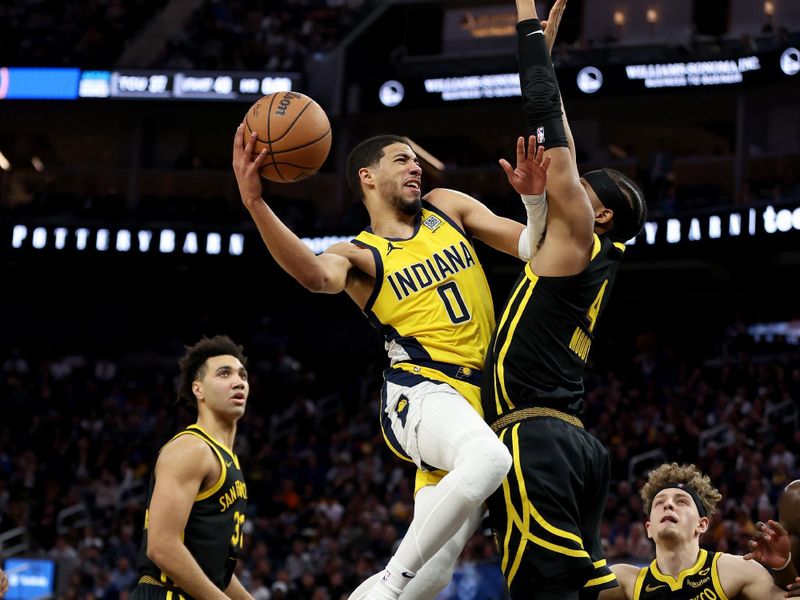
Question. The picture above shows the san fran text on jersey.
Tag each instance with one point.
(237, 490)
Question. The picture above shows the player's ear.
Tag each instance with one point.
(647, 529)
(702, 525)
(366, 176)
(603, 215)
(197, 390)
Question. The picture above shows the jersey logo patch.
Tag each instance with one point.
(433, 222)
(402, 409)
(228, 463)
(391, 247)
(653, 588)
(704, 571)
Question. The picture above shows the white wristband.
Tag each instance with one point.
(536, 211)
(533, 199)
(788, 561)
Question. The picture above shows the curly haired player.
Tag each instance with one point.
(678, 501)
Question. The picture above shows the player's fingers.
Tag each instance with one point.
(749, 556)
(520, 149)
(248, 147)
(544, 25)
(555, 12)
(546, 163)
(507, 168)
(777, 527)
(532, 148)
(260, 159)
(539, 154)
(238, 141)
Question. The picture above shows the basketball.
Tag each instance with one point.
(295, 131)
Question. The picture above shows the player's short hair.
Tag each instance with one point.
(193, 363)
(367, 154)
(622, 195)
(689, 476)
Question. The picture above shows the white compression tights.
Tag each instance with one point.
(453, 437)
(436, 573)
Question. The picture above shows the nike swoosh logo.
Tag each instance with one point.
(228, 464)
(407, 575)
(653, 588)
(534, 33)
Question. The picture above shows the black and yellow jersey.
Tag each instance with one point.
(431, 300)
(700, 582)
(544, 334)
(214, 533)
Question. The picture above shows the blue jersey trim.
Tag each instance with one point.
(428, 206)
(378, 277)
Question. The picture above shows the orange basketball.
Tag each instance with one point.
(295, 131)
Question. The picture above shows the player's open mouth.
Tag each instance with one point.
(413, 184)
(669, 518)
(238, 398)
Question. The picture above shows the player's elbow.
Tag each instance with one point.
(159, 551)
(314, 282)
(155, 553)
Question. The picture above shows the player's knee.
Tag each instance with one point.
(485, 461)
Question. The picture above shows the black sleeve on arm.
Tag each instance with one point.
(541, 98)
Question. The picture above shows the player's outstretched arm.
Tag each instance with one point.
(570, 225)
(181, 468)
(550, 27)
(326, 273)
(528, 179)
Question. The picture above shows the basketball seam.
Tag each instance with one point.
(269, 135)
(322, 137)
(300, 114)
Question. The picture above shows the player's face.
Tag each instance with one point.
(399, 178)
(224, 387)
(674, 517)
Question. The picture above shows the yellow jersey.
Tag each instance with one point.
(431, 300)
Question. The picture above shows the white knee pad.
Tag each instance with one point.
(482, 464)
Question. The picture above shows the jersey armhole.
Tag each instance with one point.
(378, 274)
(203, 494)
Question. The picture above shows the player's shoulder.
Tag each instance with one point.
(445, 198)
(185, 452)
(626, 575)
(733, 568)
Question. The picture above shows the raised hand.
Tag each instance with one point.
(551, 25)
(770, 545)
(530, 175)
(246, 167)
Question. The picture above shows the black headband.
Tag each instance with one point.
(612, 197)
(689, 490)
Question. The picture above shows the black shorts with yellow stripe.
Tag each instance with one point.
(546, 515)
(149, 588)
